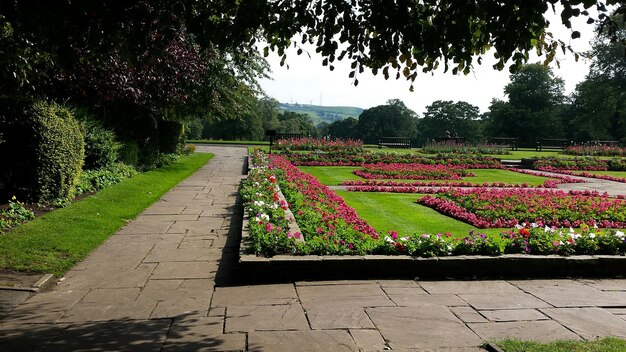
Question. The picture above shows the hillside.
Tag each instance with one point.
(323, 113)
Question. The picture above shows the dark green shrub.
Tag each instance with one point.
(44, 150)
(95, 180)
(129, 153)
(170, 136)
(101, 146)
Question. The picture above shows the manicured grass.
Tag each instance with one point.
(393, 211)
(335, 175)
(608, 344)
(331, 175)
(54, 242)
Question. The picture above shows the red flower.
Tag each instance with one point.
(524, 232)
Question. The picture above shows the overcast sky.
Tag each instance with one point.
(308, 82)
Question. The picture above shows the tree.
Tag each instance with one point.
(460, 118)
(599, 102)
(534, 108)
(292, 122)
(391, 120)
(404, 37)
(346, 128)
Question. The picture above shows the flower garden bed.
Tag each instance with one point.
(485, 208)
(360, 159)
(335, 242)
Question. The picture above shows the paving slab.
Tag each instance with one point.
(324, 317)
(173, 252)
(413, 298)
(606, 284)
(571, 293)
(426, 327)
(185, 270)
(542, 331)
(257, 295)
(513, 315)
(178, 297)
(366, 295)
(589, 323)
(368, 340)
(45, 307)
(135, 335)
(491, 301)
(468, 315)
(27, 337)
(265, 318)
(302, 341)
(458, 287)
(207, 343)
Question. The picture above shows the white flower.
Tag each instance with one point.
(549, 229)
(595, 226)
(534, 224)
(274, 206)
(388, 239)
(256, 184)
(574, 235)
(404, 238)
(571, 230)
(265, 217)
(519, 227)
(592, 235)
(259, 203)
(620, 234)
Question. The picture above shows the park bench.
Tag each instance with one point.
(394, 142)
(275, 136)
(504, 142)
(552, 143)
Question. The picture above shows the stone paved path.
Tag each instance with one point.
(165, 283)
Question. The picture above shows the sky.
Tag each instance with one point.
(306, 81)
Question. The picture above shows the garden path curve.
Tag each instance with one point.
(165, 282)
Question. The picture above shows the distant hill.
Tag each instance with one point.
(323, 113)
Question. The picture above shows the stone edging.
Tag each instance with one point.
(36, 287)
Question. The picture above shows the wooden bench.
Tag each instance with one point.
(394, 142)
(504, 142)
(551, 143)
(274, 136)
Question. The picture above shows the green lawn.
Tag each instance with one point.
(54, 242)
(607, 344)
(335, 175)
(394, 211)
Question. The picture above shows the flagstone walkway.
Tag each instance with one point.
(166, 282)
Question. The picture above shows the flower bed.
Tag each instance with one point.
(452, 147)
(584, 174)
(412, 172)
(323, 144)
(379, 185)
(351, 159)
(329, 226)
(488, 208)
(587, 164)
(595, 150)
